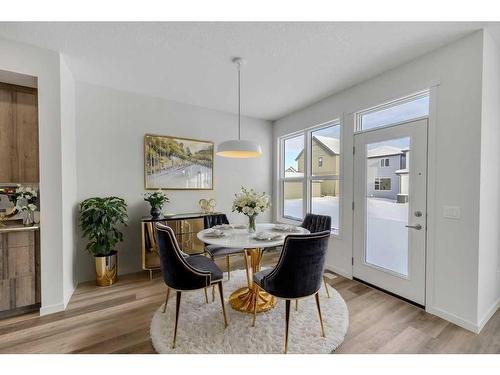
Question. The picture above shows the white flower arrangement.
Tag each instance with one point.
(25, 198)
(250, 203)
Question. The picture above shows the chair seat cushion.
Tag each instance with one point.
(204, 264)
(257, 277)
(218, 251)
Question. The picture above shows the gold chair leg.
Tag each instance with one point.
(319, 313)
(296, 305)
(206, 295)
(177, 306)
(287, 318)
(213, 293)
(228, 264)
(166, 300)
(326, 287)
(222, 303)
(255, 302)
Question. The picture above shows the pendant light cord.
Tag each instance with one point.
(239, 103)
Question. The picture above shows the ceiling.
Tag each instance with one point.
(289, 65)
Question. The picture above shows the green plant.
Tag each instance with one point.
(100, 219)
(156, 199)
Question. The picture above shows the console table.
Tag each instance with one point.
(185, 227)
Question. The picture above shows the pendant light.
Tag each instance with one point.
(239, 148)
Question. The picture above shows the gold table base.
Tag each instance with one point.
(243, 298)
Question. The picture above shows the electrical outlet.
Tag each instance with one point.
(451, 212)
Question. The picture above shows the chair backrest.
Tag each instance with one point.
(317, 223)
(215, 219)
(299, 271)
(177, 273)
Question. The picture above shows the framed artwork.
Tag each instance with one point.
(173, 163)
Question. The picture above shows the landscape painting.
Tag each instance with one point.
(177, 163)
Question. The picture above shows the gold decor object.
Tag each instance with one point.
(207, 206)
(243, 299)
(106, 269)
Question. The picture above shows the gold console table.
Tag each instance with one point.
(185, 227)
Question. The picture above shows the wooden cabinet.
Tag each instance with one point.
(19, 271)
(18, 134)
(185, 226)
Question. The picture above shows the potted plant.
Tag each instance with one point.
(156, 200)
(250, 203)
(100, 219)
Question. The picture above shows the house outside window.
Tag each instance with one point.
(384, 163)
(310, 174)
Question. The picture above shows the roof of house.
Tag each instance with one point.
(329, 144)
(381, 151)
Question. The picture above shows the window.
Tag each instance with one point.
(310, 172)
(406, 109)
(382, 184)
(384, 162)
(293, 177)
(403, 160)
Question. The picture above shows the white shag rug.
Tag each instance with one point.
(201, 325)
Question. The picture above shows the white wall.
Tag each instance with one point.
(489, 234)
(110, 128)
(68, 162)
(453, 174)
(43, 64)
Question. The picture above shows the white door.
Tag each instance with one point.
(390, 184)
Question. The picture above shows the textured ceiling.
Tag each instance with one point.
(289, 65)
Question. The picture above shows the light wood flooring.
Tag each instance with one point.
(116, 320)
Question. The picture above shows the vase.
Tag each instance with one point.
(155, 212)
(106, 269)
(251, 224)
(28, 218)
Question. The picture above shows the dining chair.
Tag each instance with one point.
(218, 251)
(184, 274)
(317, 223)
(298, 273)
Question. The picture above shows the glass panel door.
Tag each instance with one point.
(390, 183)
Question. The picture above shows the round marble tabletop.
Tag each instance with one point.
(240, 238)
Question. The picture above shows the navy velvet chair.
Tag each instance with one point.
(182, 273)
(317, 223)
(218, 251)
(298, 274)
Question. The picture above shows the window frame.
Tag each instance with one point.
(358, 125)
(308, 178)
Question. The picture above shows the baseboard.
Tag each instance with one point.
(67, 297)
(468, 325)
(493, 309)
(51, 309)
(340, 271)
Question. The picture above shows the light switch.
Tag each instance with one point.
(451, 212)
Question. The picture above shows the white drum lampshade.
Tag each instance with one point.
(239, 148)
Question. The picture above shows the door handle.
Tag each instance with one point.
(417, 227)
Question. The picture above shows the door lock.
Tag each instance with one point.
(418, 213)
(417, 227)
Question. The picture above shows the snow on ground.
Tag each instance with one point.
(387, 236)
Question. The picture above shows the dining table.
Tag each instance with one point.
(253, 247)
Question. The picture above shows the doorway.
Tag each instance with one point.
(390, 199)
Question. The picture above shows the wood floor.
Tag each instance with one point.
(116, 320)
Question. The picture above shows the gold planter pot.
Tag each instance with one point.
(106, 269)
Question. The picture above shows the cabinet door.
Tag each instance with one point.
(18, 283)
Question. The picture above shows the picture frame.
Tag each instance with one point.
(176, 163)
